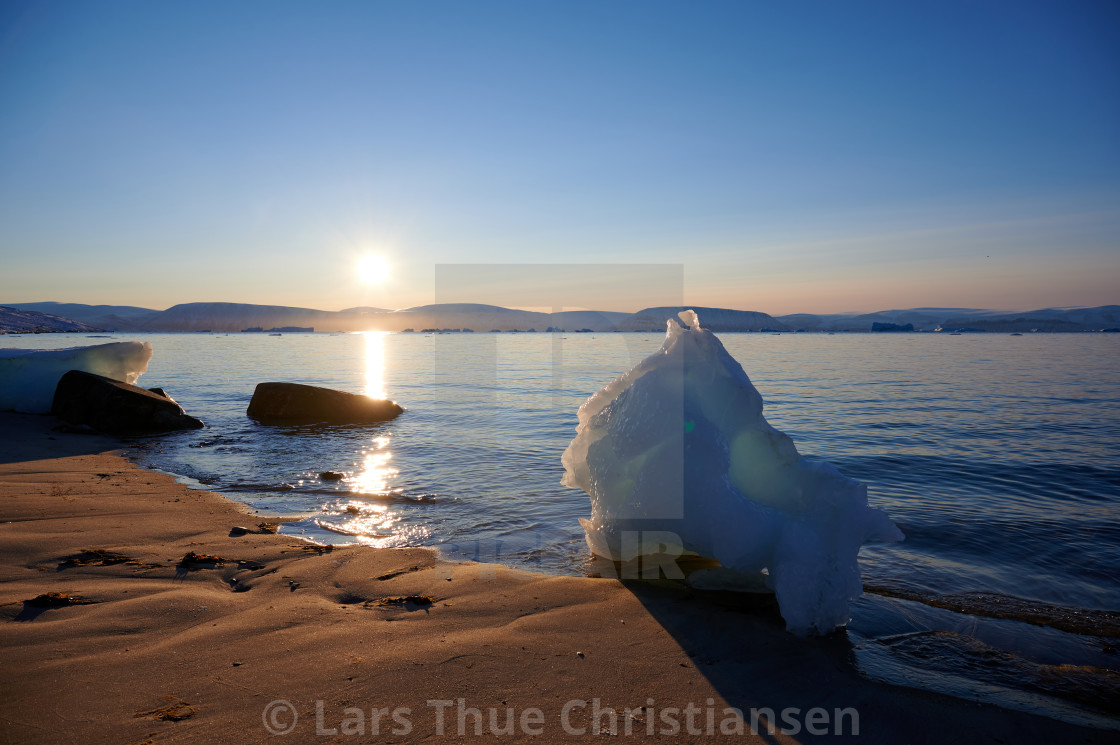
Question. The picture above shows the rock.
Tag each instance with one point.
(238, 530)
(332, 476)
(191, 560)
(294, 403)
(56, 600)
(116, 408)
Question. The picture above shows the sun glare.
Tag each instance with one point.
(372, 269)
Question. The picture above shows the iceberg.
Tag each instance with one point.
(28, 377)
(677, 447)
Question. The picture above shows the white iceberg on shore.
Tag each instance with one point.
(28, 377)
(678, 445)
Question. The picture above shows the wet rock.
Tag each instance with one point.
(294, 403)
(191, 560)
(101, 557)
(408, 602)
(56, 600)
(116, 408)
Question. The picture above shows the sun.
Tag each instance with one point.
(373, 269)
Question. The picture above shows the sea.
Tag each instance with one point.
(997, 455)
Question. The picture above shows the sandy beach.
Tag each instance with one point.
(261, 636)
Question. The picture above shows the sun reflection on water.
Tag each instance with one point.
(369, 508)
(370, 524)
(376, 474)
(375, 364)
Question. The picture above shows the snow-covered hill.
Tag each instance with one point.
(17, 321)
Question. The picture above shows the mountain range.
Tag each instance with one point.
(232, 317)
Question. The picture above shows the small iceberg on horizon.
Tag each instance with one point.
(678, 446)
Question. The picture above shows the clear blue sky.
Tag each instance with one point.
(791, 156)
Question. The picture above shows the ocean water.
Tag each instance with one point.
(997, 455)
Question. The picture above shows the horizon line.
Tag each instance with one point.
(376, 309)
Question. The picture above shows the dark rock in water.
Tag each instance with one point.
(116, 408)
(332, 476)
(293, 403)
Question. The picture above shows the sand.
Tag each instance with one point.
(278, 636)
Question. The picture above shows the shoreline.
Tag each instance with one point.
(155, 650)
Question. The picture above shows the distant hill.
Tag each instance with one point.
(19, 321)
(234, 317)
(238, 317)
(714, 319)
(597, 320)
(923, 319)
(931, 319)
(1045, 319)
(111, 317)
(492, 317)
(476, 317)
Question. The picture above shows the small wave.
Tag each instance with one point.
(1083, 621)
(217, 440)
(970, 660)
(285, 487)
(341, 529)
(385, 537)
(399, 497)
(380, 498)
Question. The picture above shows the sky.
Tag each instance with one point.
(777, 156)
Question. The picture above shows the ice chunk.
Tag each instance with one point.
(678, 445)
(28, 377)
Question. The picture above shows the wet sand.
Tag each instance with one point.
(263, 633)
